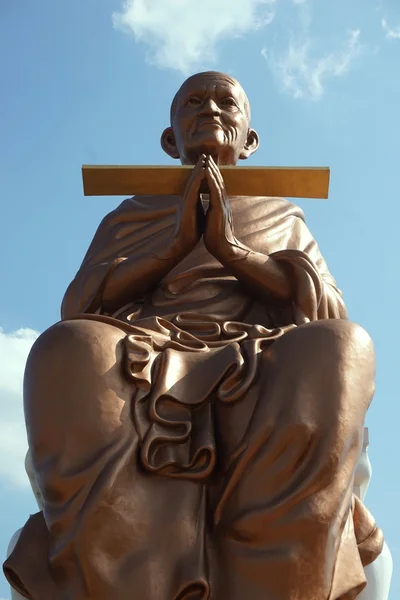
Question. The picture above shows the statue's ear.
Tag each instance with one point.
(168, 143)
(251, 145)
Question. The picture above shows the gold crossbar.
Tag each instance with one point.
(289, 182)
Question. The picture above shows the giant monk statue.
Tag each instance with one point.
(196, 417)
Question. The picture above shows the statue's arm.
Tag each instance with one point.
(259, 272)
(297, 275)
(122, 264)
(292, 273)
(135, 277)
(106, 284)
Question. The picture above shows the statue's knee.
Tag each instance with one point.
(70, 360)
(344, 335)
(71, 344)
(325, 370)
(347, 348)
(43, 358)
(344, 357)
(75, 391)
(46, 350)
(331, 345)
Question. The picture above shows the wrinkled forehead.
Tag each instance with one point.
(201, 81)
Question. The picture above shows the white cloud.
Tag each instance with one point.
(14, 350)
(302, 74)
(391, 34)
(181, 35)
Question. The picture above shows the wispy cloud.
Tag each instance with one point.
(304, 74)
(14, 349)
(390, 33)
(182, 36)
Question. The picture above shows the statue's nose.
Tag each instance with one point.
(210, 108)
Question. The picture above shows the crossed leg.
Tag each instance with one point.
(287, 497)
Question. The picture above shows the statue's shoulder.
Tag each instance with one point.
(141, 208)
(285, 206)
(272, 206)
(135, 203)
(148, 202)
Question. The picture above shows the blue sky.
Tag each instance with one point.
(90, 81)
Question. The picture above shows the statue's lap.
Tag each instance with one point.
(86, 358)
(88, 451)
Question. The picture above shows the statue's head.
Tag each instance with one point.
(210, 114)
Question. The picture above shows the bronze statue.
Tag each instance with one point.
(196, 417)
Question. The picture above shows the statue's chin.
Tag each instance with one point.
(215, 146)
(209, 139)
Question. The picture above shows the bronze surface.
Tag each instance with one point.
(196, 417)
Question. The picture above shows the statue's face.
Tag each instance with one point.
(210, 117)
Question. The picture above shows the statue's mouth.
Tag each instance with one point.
(209, 124)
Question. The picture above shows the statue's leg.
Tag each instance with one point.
(115, 531)
(77, 409)
(75, 395)
(287, 495)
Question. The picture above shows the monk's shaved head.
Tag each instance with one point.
(207, 76)
(210, 115)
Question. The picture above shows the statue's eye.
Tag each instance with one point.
(193, 101)
(228, 102)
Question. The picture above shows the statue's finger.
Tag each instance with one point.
(213, 185)
(217, 173)
(196, 177)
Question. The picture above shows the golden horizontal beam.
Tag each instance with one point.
(290, 182)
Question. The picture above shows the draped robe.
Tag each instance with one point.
(209, 444)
